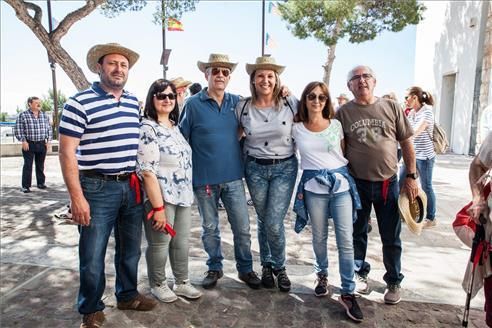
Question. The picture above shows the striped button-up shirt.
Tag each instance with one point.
(28, 127)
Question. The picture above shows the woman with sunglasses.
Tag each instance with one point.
(164, 163)
(326, 190)
(266, 121)
(421, 119)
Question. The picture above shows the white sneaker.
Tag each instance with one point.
(187, 290)
(361, 284)
(163, 293)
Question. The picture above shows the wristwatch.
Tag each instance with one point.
(412, 175)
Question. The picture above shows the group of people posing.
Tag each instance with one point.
(348, 159)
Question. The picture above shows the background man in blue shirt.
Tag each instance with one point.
(209, 124)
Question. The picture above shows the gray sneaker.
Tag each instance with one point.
(361, 284)
(392, 295)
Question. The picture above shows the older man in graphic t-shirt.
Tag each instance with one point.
(373, 127)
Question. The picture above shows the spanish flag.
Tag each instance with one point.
(174, 25)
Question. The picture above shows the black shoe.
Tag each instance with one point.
(352, 309)
(321, 288)
(283, 281)
(25, 190)
(267, 279)
(42, 186)
(211, 278)
(251, 279)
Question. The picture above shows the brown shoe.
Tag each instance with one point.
(93, 320)
(139, 303)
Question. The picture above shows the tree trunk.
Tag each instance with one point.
(329, 64)
(51, 41)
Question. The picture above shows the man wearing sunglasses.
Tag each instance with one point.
(99, 135)
(372, 129)
(209, 124)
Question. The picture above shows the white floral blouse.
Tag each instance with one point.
(165, 152)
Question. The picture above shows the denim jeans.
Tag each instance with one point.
(389, 224)
(425, 168)
(161, 245)
(112, 206)
(234, 198)
(36, 153)
(270, 187)
(339, 207)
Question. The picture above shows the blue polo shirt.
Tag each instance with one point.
(212, 134)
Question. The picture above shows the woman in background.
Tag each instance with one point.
(421, 118)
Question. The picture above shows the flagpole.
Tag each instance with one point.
(53, 77)
(263, 28)
(164, 64)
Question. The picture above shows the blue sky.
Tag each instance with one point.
(231, 27)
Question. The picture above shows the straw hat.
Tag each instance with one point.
(216, 60)
(100, 50)
(264, 62)
(343, 96)
(413, 212)
(179, 82)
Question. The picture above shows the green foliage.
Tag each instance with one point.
(360, 20)
(3, 117)
(172, 8)
(47, 102)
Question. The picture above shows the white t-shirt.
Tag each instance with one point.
(321, 150)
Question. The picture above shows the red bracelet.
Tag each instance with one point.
(155, 209)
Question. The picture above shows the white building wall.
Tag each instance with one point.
(447, 43)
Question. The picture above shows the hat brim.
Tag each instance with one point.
(414, 219)
(251, 68)
(100, 50)
(183, 84)
(202, 66)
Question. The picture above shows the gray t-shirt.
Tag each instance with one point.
(268, 130)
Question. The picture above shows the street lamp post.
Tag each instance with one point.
(53, 77)
(165, 55)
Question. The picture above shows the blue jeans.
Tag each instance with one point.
(112, 205)
(270, 187)
(389, 224)
(425, 168)
(234, 199)
(339, 207)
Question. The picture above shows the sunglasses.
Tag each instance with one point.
(321, 98)
(162, 96)
(225, 72)
(364, 76)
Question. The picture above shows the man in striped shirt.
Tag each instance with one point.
(33, 129)
(99, 133)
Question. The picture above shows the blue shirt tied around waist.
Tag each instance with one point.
(329, 179)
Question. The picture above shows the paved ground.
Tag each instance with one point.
(39, 277)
